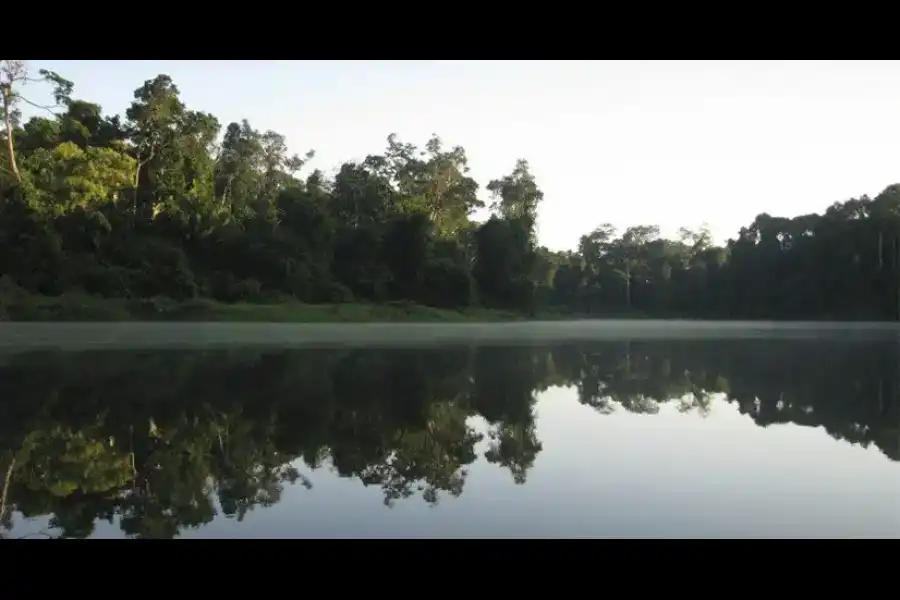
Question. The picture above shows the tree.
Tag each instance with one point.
(69, 177)
(13, 76)
(166, 202)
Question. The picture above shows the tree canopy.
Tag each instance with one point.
(167, 201)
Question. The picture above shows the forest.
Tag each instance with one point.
(168, 205)
(160, 443)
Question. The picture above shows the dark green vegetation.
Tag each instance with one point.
(18, 305)
(164, 441)
(160, 207)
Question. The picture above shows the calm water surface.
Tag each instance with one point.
(711, 438)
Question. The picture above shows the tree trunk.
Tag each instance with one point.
(628, 287)
(10, 144)
(7, 481)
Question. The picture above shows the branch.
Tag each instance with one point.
(34, 104)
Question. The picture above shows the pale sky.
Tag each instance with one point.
(630, 142)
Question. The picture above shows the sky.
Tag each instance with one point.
(671, 143)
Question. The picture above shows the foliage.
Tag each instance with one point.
(166, 202)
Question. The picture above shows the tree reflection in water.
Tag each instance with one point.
(163, 441)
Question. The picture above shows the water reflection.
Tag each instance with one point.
(157, 444)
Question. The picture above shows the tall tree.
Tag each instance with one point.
(14, 75)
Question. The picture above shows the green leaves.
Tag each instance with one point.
(68, 177)
(249, 224)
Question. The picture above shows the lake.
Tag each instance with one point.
(590, 429)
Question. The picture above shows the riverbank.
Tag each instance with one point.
(19, 306)
(82, 307)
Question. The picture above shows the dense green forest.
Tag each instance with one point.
(166, 203)
(163, 441)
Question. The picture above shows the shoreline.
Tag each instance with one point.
(84, 308)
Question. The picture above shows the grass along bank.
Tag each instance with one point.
(18, 305)
(83, 307)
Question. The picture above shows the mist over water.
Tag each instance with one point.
(17, 337)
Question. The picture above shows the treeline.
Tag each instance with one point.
(166, 202)
(165, 441)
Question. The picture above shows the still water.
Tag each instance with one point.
(763, 437)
